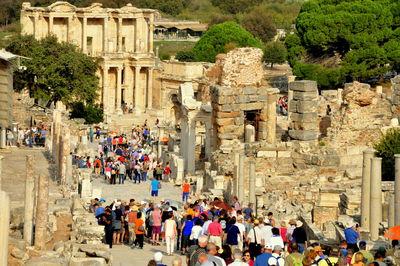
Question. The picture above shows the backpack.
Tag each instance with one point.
(330, 263)
(298, 261)
(159, 171)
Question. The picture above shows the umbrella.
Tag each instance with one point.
(221, 205)
(393, 233)
(113, 133)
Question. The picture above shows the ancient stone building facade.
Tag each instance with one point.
(122, 39)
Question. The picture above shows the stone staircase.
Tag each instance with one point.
(124, 122)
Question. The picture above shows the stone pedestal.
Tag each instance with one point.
(29, 201)
(241, 178)
(4, 227)
(42, 212)
(252, 182)
(397, 190)
(366, 188)
(3, 142)
(250, 134)
(376, 197)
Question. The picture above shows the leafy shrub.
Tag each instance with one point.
(327, 78)
(386, 148)
(92, 113)
(165, 56)
(185, 56)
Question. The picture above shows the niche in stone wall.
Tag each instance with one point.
(252, 118)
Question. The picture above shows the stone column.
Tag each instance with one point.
(51, 20)
(3, 143)
(271, 117)
(1, 169)
(376, 197)
(84, 35)
(252, 183)
(69, 29)
(397, 190)
(119, 42)
(29, 201)
(105, 35)
(151, 32)
(241, 178)
(119, 90)
(209, 136)
(249, 134)
(366, 189)
(105, 89)
(138, 94)
(149, 88)
(4, 227)
(68, 171)
(391, 215)
(36, 26)
(66, 148)
(41, 212)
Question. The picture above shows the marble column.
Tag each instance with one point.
(66, 148)
(119, 89)
(84, 35)
(366, 189)
(241, 178)
(29, 201)
(151, 32)
(397, 190)
(138, 93)
(391, 213)
(235, 174)
(69, 29)
(149, 88)
(105, 35)
(68, 172)
(208, 149)
(36, 26)
(106, 101)
(42, 212)
(3, 143)
(376, 197)
(1, 169)
(51, 20)
(271, 118)
(4, 227)
(252, 183)
(119, 43)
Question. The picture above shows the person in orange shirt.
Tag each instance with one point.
(139, 231)
(185, 191)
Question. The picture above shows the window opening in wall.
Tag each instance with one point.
(123, 76)
(252, 118)
(123, 44)
(89, 44)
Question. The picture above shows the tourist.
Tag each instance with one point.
(197, 229)
(10, 138)
(262, 259)
(242, 229)
(122, 173)
(154, 186)
(283, 232)
(248, 258)
(212, 255)
(158, 257)
(215, 232)
(329, 259)
(358, 259)
(266, 231)
(118, 219)
(232, 233)
(167, 172)
(249, 212)
(185, 191)
(202, 260)
(237, 256)
(379, 258)
(131, 217)
(351, 234)
(276, 239)
(186, 230)
(254, 239)
(107, 221)
(170, 233)
(177, 261)
(320, 254)
(195, 250)
(368, 257)
(20, 137)
(236, 204)
(299, 236)
(156, 228)
(139, 232)
(227, 254)
(294, 258)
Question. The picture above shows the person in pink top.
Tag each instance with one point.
(107, 170)
(156, 216)
(283, 232)
(215, 232)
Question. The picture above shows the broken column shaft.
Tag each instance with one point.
(366, 189)
(376, 197)
(41, 212)
(29, 201)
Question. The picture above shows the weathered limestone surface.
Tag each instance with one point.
(376, 197)
(42, 212)
(29, 201)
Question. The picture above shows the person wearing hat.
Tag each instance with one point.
(131, 217)
(351, 234)
(329, 259)
(263, 258)
(276, 258)
(254, 238)
(320, 254)
(294, 258)
(300, 236)
(158, 256)
(363, 250)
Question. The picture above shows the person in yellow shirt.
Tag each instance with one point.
(329, 260)
(368, 257)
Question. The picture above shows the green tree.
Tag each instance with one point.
(356, 38)
(386, 148)
(275, 53)
(221, 36)
(259, 24)
(56, 71)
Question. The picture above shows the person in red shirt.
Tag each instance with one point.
(215, 232)
(167, 172)
(185, 191)
(139, 231)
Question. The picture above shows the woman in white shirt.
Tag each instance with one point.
(170, 233)
(196, 232)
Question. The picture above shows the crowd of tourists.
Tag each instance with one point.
(28, 137)
(215, 233)
(283, 105)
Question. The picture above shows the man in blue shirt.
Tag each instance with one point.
(154, 189)
(351, 236)
(262, 260)
(98, 210)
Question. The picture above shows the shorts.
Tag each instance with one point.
(156, 229)
(154, 193)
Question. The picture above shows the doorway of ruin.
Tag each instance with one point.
(200, 148)
(252, 118)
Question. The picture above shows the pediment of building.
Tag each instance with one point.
(95, 7)
(62, 7)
